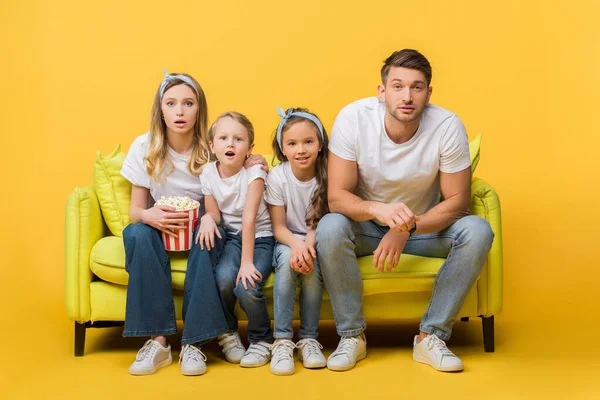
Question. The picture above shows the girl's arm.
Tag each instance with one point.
(248, 271)
(163, 218)
(302, 254)
(280, 230)
(208, 224)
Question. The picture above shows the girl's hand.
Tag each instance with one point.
(165, 219)
(248, 273)
(311, 240)
(207, 231)
(301, 258)
(257, 159)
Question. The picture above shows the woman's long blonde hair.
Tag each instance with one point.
(157, 156)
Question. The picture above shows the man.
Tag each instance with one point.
(390, 159)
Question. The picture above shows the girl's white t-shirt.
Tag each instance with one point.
(284, 189)
(179, 182)
(230, 194)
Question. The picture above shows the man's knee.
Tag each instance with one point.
(333, 227)
(478, 231)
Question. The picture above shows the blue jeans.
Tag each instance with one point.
(284, 296)
(465, 245)
(150, 309)
(252, 300)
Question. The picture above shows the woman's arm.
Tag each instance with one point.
(163, 218)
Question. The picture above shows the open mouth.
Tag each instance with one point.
(230, 154)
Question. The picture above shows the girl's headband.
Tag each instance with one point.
(169, 78)
(291, 113)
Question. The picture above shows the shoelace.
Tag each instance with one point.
(347, 345)
(191, 352)
(261, 349)
(148, 350)
(282, 350)
(310, 346)
(439, 344)
(230, 341)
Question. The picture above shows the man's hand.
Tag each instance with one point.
(396, 215)
(257, 159)
(389, 250)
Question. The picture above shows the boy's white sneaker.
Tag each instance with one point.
(232, 347)
(309, 352)
(433, 351)
(282, 357)
(350, 350)
(191, 360)
(257, 355)
(151, 357)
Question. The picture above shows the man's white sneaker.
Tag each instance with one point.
(191, 360)
(350, 350)
(232, 347)
(151, 357)
(257, 355)
(282, 357)
(309, 352)
(433, 351)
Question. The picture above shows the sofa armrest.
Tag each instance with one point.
(486, 204)
(84, 226)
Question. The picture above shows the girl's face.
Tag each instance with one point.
(301, 145)
(230, 144)
(180, 109)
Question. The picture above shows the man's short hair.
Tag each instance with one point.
(406, 58)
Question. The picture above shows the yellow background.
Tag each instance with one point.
(78, 77)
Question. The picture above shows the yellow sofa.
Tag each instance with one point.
(96, 280)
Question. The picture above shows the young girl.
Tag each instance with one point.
(234, 198)
(297, 197)
(167, 161)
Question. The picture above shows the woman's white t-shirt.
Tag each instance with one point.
(179, 182)
(284, 189)
(230, 194)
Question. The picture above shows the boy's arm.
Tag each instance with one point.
(253, 198)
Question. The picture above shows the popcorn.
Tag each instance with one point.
(178, 203)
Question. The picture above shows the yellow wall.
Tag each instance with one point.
(78, 77)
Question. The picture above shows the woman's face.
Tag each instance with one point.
(180, 109)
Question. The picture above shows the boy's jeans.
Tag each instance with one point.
(465, 245)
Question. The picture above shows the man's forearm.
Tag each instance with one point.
(352, 206)
(443, 215)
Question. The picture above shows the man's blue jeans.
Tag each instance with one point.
(465, 245)
(252, 300)
(284, 296)
(150, 309)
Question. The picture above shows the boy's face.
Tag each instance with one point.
(230, 143)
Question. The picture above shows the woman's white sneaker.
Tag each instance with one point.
(257, 355)
(232, 347)
(350, 350)
(433, 351)
(309, 352)
(282, 357)
(191, 360)
(151, 357)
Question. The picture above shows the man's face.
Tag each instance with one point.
(405, 94)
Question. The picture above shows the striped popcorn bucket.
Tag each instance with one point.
(185, 236)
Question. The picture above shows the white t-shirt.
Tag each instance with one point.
(180, 182)
(407, 172)
(284, 189)
(230, 194)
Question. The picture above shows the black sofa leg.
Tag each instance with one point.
(79, 339)
(488, 334)
(465, 319)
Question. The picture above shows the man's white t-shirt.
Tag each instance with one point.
(179, 182)
(407, 172)
(230, 194)
(284, 189)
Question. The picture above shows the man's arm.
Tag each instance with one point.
(456, 189)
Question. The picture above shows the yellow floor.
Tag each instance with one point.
(527, 364)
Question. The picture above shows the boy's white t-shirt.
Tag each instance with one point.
(407, 172)
(179, 182)
(230, 194)
(284, 189)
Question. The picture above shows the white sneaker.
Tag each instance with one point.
(232, 347)
(282, 357)
(309, 352)
(433, 351)
(151, 357)
(257, 355)
(191, 360)
(350, 350)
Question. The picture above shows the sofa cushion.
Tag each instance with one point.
(413, 274)
(113, 190)
(474, 148)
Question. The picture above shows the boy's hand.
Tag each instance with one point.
(248, 273)
(207, 231)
